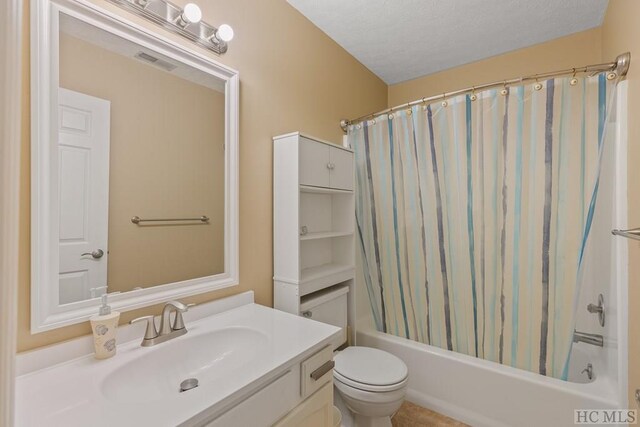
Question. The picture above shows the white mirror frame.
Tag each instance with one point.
(46, 314)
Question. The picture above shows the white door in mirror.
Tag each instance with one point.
(83, 180)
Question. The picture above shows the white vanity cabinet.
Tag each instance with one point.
(314, 229)
(300, 395)
(256, 367)
(316, 411)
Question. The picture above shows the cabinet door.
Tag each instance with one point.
(260, 409)
(341, 169)
(314, 163)
(316, 411)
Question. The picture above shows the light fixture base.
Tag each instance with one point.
(168, 16)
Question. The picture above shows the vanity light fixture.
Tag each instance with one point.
(185, 21)
(191, 14)
(224, 33)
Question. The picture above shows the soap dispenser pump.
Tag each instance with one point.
(104, 326)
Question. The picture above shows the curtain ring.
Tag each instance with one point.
(444, 100)
(538, 85)
(473, 95)
(574, 80)
(504, 90)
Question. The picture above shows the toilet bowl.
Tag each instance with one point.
(372, 383)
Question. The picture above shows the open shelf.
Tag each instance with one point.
(325, 235)
(323, 190)
(314, 273)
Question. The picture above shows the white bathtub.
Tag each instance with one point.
(484, 393)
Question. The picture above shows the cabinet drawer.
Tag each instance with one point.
(314, 163)
(316, 371)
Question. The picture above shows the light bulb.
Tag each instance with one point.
(191, 14)
(224, 33)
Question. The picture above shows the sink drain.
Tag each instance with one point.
(188, 384)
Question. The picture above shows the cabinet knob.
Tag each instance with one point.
(307, 314)
(330, 166)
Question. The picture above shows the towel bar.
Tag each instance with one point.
(138, 220)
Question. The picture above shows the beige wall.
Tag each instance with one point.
(166, 161)
(566, 52)
(292, 77)
(621, 33)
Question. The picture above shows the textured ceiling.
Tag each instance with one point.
(403, 39)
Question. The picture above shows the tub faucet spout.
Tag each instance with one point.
(593, 339)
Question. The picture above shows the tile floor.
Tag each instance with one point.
(412, 415)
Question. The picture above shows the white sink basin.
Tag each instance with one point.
(232, 347)
(214, 356)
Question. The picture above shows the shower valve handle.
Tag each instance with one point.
(592, 308)
(598, 309)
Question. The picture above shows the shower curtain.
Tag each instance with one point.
(473, 215)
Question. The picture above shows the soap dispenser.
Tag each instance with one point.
(104, 326)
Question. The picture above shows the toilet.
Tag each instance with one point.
(371, 383)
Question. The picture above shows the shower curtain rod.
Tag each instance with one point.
(619, 67)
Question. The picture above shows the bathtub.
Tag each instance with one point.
(484, 393)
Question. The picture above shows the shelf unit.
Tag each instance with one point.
(313, 187)
(325, 235)
(321, 190)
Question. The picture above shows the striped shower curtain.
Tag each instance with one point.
(473, 215)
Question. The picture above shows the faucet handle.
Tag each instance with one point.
(178, 323)
(151, 332)
(180, 307)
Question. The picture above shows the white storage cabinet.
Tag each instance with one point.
(313, 225)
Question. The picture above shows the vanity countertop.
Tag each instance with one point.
(89, 392)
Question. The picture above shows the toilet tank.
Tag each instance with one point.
(328, 306)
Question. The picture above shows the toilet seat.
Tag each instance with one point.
(368, 387)
(370, 369)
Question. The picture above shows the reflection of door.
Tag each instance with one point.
(83, 162)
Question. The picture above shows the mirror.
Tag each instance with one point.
(135, 186)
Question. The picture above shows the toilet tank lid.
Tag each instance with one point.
(371, 366)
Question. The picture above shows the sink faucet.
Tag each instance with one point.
(167, 330)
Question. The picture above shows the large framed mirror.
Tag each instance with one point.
(134, 174)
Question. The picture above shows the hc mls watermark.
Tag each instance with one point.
(605, 416)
